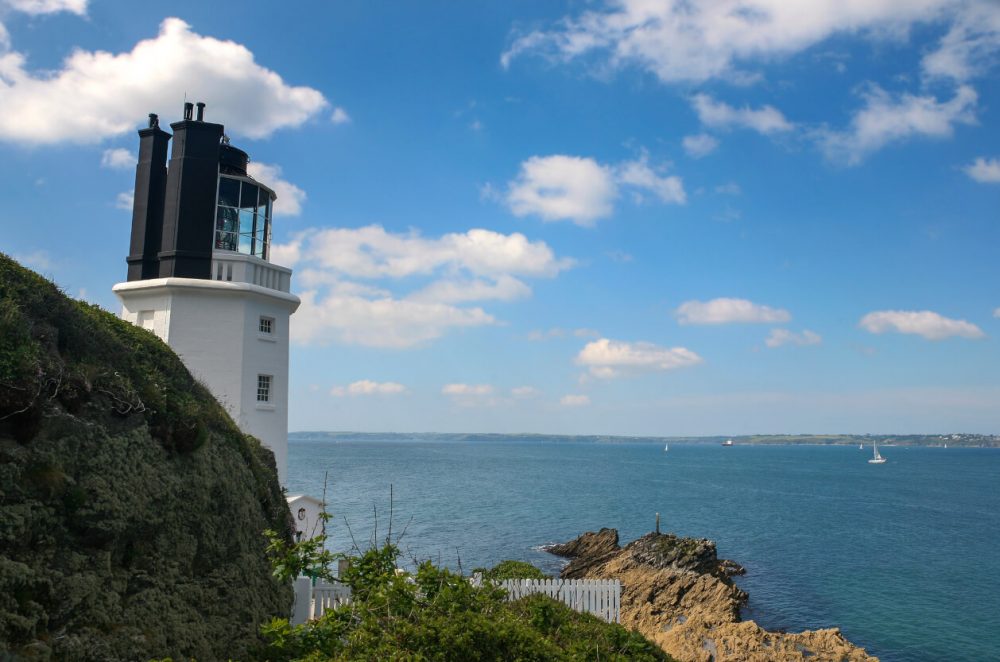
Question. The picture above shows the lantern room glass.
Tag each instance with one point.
(243, 217)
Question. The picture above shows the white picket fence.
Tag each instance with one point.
(311, 601)
(600, 597)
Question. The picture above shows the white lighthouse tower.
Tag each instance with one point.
(199, 274)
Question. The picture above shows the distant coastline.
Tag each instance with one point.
(954, 440)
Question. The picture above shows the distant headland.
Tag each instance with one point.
(952, 440)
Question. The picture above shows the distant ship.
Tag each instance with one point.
(861, 447)
(878, 459)
(666, 447)
(727, 442)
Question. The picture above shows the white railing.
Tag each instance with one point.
(239, 268)
(600, 597)
(312, 601)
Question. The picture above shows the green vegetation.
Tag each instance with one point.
(509, 570)
(434, 614)
(131, 506)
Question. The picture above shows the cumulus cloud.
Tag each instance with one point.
(369, 286)
(125, 200)
(368, 387)
(996, 313)
(924, 323)
(37, 260)
(606, 358)
(36, 7)
(557, 332)
(505, 288)
(560, 187)
(467, 389)
(340, 116)
(290, 197)
(573, 400)
(779, 337)
(681, 41)
(581, 190)
(729, 311)
(970, 46)
(118, 159)
(378, 322)
(699, 145)
(986, 171)
(887, 118)
(111, 92)
(717, 114)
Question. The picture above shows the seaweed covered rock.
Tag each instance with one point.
(131, 506)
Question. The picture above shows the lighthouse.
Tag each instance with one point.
(200, 275)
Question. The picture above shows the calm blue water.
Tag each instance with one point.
(903, 557)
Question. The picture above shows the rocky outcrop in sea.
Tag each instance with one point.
(678, 593)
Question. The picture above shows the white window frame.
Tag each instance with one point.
(265, 388)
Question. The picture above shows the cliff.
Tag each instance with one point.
(679, 594)
(131, 506)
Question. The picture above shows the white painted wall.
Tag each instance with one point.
(213, 326)
(305, 511)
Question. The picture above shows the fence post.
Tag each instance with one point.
(303, 600)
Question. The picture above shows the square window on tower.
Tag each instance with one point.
(264, 388)
(266, 325)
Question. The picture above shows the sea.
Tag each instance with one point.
(902, 557)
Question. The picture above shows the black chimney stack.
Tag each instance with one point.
(201, 111)
(147, 205)
(189, 210)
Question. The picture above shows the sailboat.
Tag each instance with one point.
(878, 459)
(861, 447)
(666, 447)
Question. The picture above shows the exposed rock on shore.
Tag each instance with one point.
(678, 593)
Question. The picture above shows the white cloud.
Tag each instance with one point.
(682, 41)
(340, 116)
(996, 313)
(118, 159)
(924, 323)
(729, 311)
(556, 332)
(639, 174)
(524, 392)
(37, 260)
(561, 187)
(290, 197)
(37, 7)
(4, 39)
(986, 171)
(110, 93)
(573, 400)
(970, 46)
(467, 389)
(581, 190)
(378, 322)
(371, 252)
(125, 200)
(477, 265)
(611, 358)
(699, 145)
(779, 337)
(368, 387)
(731, 188)
(886, 118)
(505, 288)
(717, 114)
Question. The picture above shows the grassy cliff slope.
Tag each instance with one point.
(131, 506)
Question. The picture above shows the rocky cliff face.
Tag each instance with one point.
(678, 593)
(131, 507)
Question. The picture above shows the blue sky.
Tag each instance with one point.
(651, 218)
